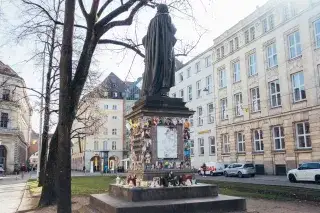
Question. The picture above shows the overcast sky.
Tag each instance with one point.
(216, 16)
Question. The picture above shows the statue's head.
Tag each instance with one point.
(162, 8)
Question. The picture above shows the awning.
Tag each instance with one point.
(127, 159)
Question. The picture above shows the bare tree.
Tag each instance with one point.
(102, 18)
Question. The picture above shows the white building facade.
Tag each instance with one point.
(267, 72)
(194, 84)
(105, 145)
(15, 120)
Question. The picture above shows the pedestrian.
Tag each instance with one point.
(23, 169)
(204, 169)
(84, 169)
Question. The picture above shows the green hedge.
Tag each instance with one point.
(266, 191)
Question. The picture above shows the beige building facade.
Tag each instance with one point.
(267, 72)
(15, 120)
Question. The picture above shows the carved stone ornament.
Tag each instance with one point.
(272, 74)
(253, 81)
(223, 92)
(236, 87)
(295, 65)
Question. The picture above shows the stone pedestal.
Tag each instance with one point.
(157, 137)
(199, 198)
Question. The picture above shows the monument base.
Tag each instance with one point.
(104, 203)
(199, 198)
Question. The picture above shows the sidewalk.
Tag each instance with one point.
(11, 193)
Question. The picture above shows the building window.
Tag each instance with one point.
(236, 72)
(181, 94)
(317, 33)
(272, 55)
(268, 23)
(200, 114)
(265, 25)
(246, 36)
(96, 145)
(189, 72)
(241, 142)
(271, 22)
(275, 97)
(114, 131)
(6, 94)
(294, 45)
(218, 53)
(258, 140)
(238, 104)
(222, 51)
(198, 68)
(115, 94)
(114, 145)
(210, 113)
(299, 92)
(114, 107)
(189, 88)
(252, 33)
(198, 85)
(223, 78)
(288, 11)
(231, 46)
(208, 61)
(225, 143)
(192, 147)
(181, 76)
(224, 108)
(105, 145)
(4, 120)
(105, 106)
(278, 138)
(174, 95)
(201, 146)
(209, 84)
(212, 145)
(303, 135)
(252, 64)
(236, 43)
(114, 117)
(255, 97)
(191, 120)
(105, 131)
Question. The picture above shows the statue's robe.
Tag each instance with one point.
(159, 44)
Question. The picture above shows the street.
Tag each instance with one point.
(262, 179)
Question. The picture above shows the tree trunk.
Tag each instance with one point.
(65, 115)
(49, 190)
(45, 132)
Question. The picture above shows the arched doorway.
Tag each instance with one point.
(96, 163)
(113, 163)
(3, 157)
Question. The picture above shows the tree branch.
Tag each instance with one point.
(83, 10)
(120, 43)
(123, 8)
(104, 6)
(127, 21)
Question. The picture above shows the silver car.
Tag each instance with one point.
(240, 170)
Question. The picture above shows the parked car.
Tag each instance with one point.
(306, 172)
(240, 170)
(212, 168)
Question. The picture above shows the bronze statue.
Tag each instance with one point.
(159, 43)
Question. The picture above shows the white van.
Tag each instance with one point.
(212, 168)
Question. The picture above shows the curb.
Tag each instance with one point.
(28, 202)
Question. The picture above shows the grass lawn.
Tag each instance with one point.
(80, 185)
